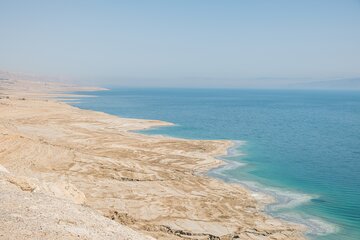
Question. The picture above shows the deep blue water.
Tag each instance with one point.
(301, 146)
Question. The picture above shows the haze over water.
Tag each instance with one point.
(183, 43)
(299, 144)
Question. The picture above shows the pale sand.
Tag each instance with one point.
(67, 167)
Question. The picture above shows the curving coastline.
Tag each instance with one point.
(273, 199)
(155, 185)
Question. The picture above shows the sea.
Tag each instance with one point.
(300, 146)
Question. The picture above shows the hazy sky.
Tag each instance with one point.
(183, 42)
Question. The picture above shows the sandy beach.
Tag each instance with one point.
(68, 173)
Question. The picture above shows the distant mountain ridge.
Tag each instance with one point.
(340, 84)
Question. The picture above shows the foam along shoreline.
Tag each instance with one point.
(154, 185)
(272, 199)
(275, 200)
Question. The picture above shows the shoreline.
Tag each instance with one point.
(268, 198)
(274, 199)
(271, 199)
(155, 185)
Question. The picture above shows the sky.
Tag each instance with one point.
(182, 43)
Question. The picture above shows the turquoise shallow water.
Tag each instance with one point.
(303, 147)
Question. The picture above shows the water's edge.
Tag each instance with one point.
(273, 199)
(282, 199)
